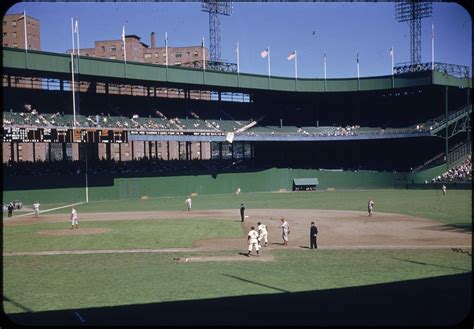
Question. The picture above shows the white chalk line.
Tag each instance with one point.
(48, 210)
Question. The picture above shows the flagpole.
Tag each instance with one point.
(124, 45)
(26, 34)
(324, 71)
(166, 47)
(77, 31)
(432, 47)
(238, 54)
(72, 80)
(393, 78)
(203, 54)
(296, 66)
(269, 62)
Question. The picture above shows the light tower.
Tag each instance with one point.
(413, 11)
(215, 8)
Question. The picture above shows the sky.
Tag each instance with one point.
(341, 29)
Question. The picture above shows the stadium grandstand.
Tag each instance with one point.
(139, 117)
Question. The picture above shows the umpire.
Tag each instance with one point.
(242, 210)
(313, 232)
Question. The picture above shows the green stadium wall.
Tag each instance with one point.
(269, 180)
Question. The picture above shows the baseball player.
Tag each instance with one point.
(74, 221)
(252, 239)
(370, 207)
(285, 231)
(36, 208)
(444, 189)
(262, 234)
(238, 190)
(189, 203)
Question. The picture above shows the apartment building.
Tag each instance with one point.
(13, 30)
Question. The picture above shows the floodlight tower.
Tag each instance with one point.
(215, 8)
(413, 11)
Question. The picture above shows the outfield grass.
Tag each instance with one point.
(79, 281)
(454, 208)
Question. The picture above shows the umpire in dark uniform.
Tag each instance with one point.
(313, 232)
(242, 210)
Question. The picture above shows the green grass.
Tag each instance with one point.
(136, 234)
(79, 281)
(454, 208)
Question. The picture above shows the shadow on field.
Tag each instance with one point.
(439, 301)
(459, 227)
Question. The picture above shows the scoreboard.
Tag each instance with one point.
(63, 135)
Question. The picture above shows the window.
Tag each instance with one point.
(177, 55)
(177, 63)
(112, 48)
(14, 34)
(195, 53)
(156, 55)
(34, 25)
(4, 34)
(112, 57)
(103, 48)
(14, 23)
(15, 45)
(147, 55)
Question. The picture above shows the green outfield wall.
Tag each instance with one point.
(261, 181)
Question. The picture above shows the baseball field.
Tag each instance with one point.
(151, 262)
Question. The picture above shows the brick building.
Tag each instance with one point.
(138, 51)
(13, 32)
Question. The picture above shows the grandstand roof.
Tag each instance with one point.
(58, 66)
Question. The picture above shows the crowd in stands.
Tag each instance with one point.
(133, 167)
(458, 174)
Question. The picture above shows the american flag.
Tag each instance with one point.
(264, 53)
(324, 57)
(391, 51)
(357, 57)
(291, 55)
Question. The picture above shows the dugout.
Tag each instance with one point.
(305, 184)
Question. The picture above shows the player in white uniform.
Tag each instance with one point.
(189, 203)
(252, 239)
(74, 221)
(238, 190)
(285, 231)
(262, 234)
(444, 189)
(36, 208)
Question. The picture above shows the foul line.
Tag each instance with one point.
(48, 210)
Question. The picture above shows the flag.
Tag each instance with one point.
(166, 39)
(75, 27)
(264, 53)
(291, 55)
(324, 57)
(202, 42)
(391, 51)
(357, 57)
(432, 31)
(123, 34)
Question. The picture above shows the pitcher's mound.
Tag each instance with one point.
(76, 231)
